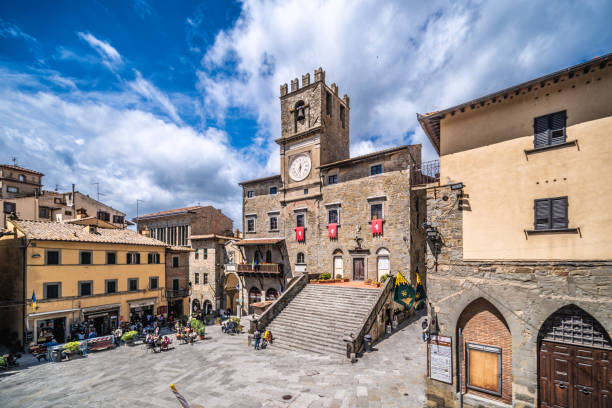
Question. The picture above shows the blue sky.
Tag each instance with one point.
(176, 102)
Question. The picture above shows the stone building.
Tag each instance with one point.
(325, 211)
(207, 273)
(177, 281)
(205, 229)
(22, 196)
(519, 261)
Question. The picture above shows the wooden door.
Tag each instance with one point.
(574, 376)
(358, 269)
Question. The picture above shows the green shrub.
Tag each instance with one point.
(338, 276)
(384, 277)
(325, 276)
(72, 346)
(131, 335)
(196, 325)
(3, 362)
(201, 331)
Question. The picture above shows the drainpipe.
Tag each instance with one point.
(459, 371)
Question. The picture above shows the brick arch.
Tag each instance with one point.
(483, 324)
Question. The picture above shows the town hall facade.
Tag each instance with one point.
(327, 212)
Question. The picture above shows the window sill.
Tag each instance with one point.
(553, 231)
(251, 232)
(383, 221)
(273, 230)
(552, 147)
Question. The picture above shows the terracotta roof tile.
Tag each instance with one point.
(170, 212)
(18, 168)
(57, 231)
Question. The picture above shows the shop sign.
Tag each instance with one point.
(440, 359)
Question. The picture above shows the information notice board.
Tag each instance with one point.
(441, 359)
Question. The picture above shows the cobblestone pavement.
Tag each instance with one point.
(223, 372)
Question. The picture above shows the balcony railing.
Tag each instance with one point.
(177, 293)
(429, 172)
(261, 268)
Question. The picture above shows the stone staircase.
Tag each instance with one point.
(320, 316)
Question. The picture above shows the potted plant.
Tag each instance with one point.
(218, 321)
(129, 337)
(383, 278)
(201, 333)
(346, 279)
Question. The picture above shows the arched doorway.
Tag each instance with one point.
(195, 306)
(574, 352)
(485, 352)
(208, 307)
(254, 295)
(230, 289)
(271, 294)
(382, 262)
(338, 264)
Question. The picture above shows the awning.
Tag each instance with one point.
(53, 312)
(141, 303)
(260, 241)
(101, 308)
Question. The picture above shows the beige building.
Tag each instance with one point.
(77, 273)
(351, 217)
(520, 254)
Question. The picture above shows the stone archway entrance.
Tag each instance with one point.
(574, 353)
(230, 290)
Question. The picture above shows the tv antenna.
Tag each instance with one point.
(14, 159)
(98, 190)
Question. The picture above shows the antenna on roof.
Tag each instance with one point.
(14, 159)
(57, 188)
(98, 190)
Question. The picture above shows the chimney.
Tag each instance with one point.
(334, 88)
(319, 75)
(283, 89)
(295, 85)
(306, 79)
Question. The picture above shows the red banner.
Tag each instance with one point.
(299, 234)
(332, 229)
(377, 227)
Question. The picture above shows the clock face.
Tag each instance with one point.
(300, 168)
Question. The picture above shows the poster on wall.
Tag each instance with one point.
(440, 359)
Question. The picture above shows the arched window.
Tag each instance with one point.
(207, 307)
(254, 295)
(195, 305)
(271, 294)
(382, 256)
(268, 256)
(299, 110)
(300, 258)
(338, 264)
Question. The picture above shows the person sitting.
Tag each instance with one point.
(268, 336)
(92, 334)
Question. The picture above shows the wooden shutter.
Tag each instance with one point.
(540, 131)
(542, 214)
(559, 212)
(557, 128)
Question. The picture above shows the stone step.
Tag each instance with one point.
(312, 344)
(331, 300)
(325, 331)
(340, 295)
(346, 289)
(300, 347)
(328, 309)
(305, 325)
(320, 319)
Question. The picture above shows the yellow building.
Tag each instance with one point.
(80, 273)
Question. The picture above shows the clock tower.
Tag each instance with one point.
(314, 132)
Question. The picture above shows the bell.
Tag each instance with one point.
(300, 114)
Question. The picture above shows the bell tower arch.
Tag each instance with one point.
(314, 131)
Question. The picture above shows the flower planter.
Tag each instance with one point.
(345, 279)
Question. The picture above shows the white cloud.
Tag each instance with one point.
(8, 30)
(393, 59)
(152, 93)
(134, 154)
(111, 58)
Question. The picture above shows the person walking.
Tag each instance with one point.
(257, 338)
(118, 333)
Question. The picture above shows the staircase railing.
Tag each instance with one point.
(355, 343)
(294, 288)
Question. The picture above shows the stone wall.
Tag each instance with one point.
(11, 290)
(525, 293)
(211, 267)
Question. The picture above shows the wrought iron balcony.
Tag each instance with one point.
(177, 293)
(272, 268)
(429, 172)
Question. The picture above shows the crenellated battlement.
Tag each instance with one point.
(319, 76)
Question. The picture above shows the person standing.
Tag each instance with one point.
(257, 338)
